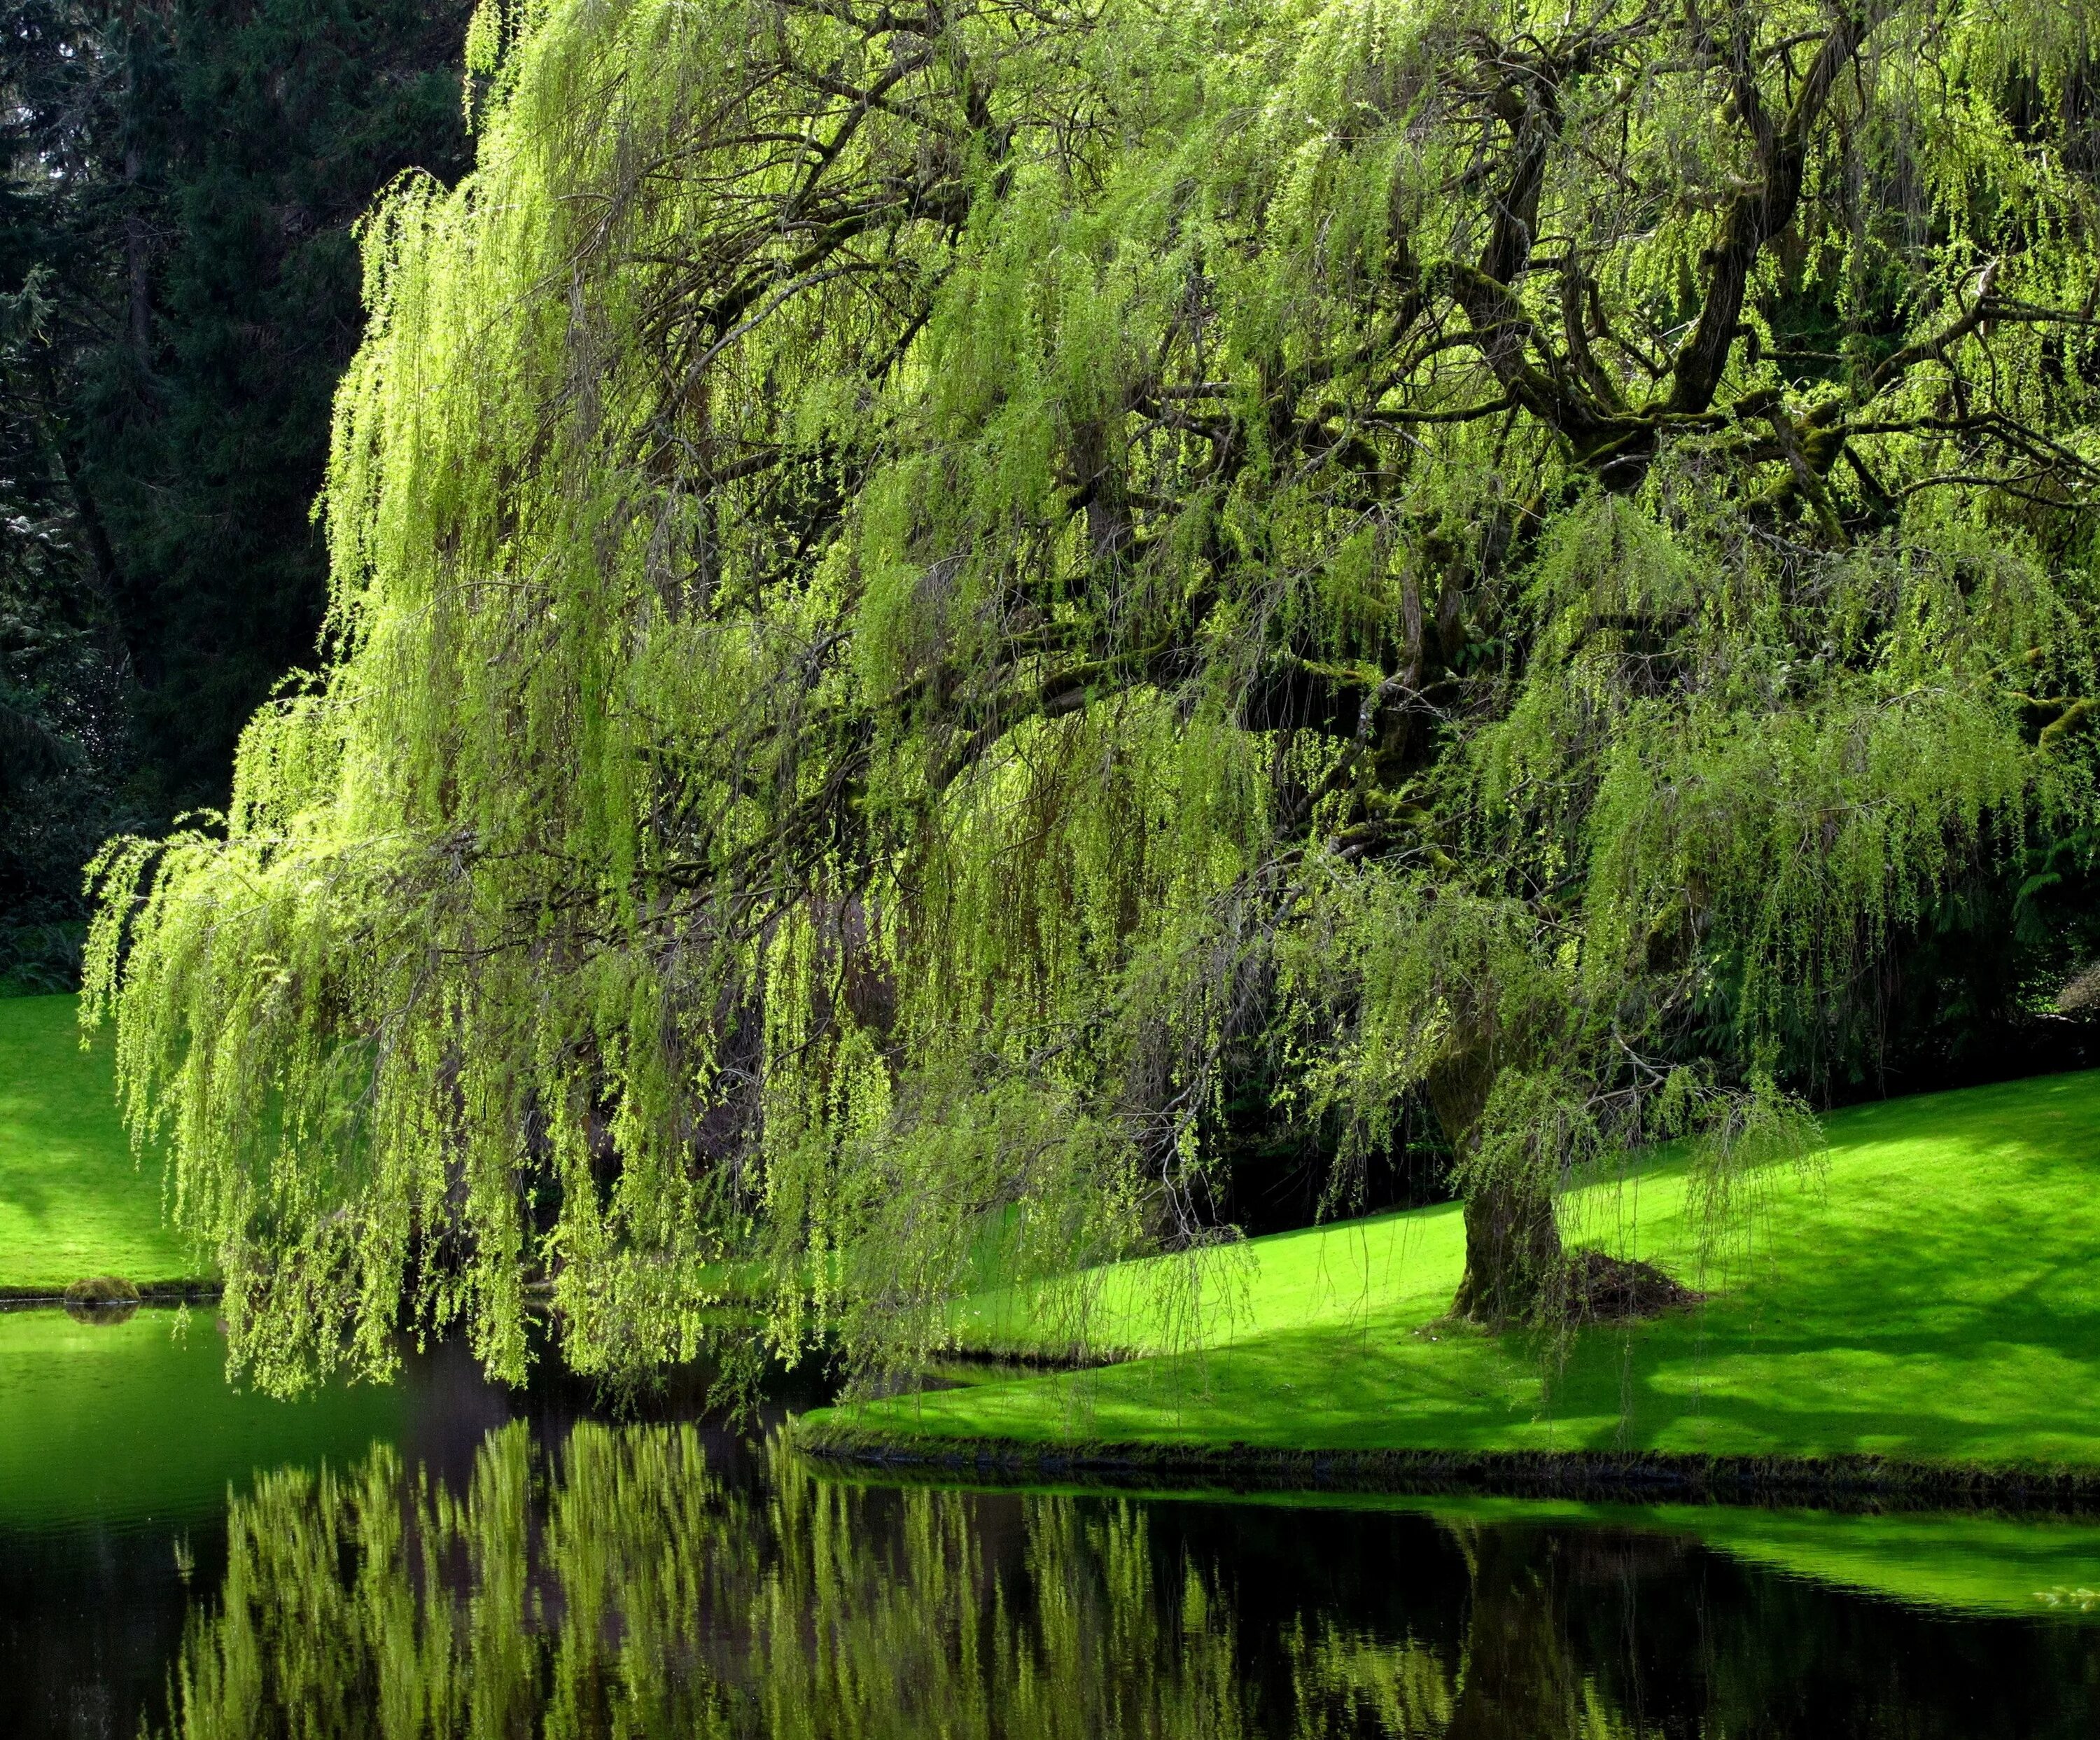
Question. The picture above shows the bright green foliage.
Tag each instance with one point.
(1930, 1301)
(915, 598)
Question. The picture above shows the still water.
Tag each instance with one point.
(443, 1559)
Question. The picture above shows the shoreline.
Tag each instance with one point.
(153, 1293)
(1841, 1482)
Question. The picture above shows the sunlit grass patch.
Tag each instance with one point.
(73, 1201)
(1934, 1296)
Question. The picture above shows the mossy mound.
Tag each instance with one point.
(101, 1299)
(102, 1289)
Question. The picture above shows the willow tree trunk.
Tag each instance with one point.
(1521, 1675)
(1513, 1254)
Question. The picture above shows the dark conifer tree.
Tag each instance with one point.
(183, 290)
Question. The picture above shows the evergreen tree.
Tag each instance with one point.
(920, 599)
(184, 179)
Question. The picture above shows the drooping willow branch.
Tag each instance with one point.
(940, 618)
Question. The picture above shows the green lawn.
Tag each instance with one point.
(1935, 1297)
(72, 1201)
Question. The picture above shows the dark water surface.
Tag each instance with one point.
(443, 1559)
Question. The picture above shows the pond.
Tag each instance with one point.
(441, 1558)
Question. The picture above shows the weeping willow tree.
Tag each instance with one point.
(624, 1587)
(919, 595)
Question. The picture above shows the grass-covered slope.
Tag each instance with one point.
(1934, 1296)
(74, 1202)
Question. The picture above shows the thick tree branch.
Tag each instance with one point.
(1759, 212)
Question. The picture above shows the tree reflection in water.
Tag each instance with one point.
(630, 1584)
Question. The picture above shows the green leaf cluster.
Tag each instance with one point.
(915, 597)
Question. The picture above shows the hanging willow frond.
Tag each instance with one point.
(920, 599)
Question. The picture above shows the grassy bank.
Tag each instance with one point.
(1932, 1298)
(74, 1202)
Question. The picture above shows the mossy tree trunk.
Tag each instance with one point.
(1521, 1675)
(1513, 1250)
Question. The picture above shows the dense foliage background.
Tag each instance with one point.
(179, 291)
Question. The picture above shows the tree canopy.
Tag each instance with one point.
(920, 598)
